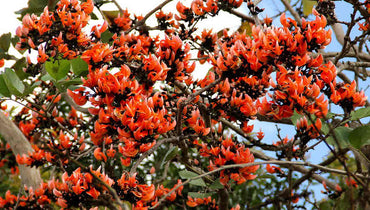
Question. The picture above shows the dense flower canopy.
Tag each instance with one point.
(141, 97)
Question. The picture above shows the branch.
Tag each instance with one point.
(190, 98)
(19, 145)
(260, 155)
(295, 14)
(243, 134)
(110, 189)
(142, 21)
(197, 93)
(293, 164)
(338, 32)
(118, 6)
(351, 53)
(242, 16)
(150, 151)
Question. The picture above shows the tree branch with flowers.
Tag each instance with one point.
(113, 116)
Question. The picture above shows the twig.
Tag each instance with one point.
(150, 151)
(118, 6)
(243, 134)
(346, 38)
(190, 98)
(242, 16)
(142, 21)
(351, 53)
(110, 189)
(278, 162)
(295, 14)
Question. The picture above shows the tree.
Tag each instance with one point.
(112, 116)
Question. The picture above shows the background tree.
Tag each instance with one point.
(111, 115)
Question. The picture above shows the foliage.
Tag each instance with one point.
(116, 119)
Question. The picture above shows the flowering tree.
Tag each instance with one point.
(113, 117)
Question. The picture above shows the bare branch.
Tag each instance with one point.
(149, 152)
(292, 11)
(293, 164)
(242, 16)
(362, 56)
(150, 13)
(118, 6)
(338, 32)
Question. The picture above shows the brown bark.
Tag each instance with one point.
(301, 169)
(223, 199)
(20, 145)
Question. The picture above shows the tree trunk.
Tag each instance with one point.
(20, 145)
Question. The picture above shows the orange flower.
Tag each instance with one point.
(273, 169)
(125, 161)
(62, 203)
(78, 98)
(147, 192)
(111, 152)
(42, 57)
(99, 155)
(2, 61)
(351, 182)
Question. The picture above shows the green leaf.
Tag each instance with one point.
(106, 36)
(266, 176)
(360, 113)
(360, 136)
(198, 182)
(30, 88)
(13, 82)
(46, 77)
(57, 69)
(307, 6)
(110, 15)
(4, 91)
(325, 205)
(188, 174)
(18, 68)
(199, 195)
(34, 6)
(94, 16)
(216, 185)
(295, 117)
(79, 67)
(5, 41)
(245, 27)
(63, 85)
(342, 134)
(325, 127)
(171, 153)
(14, 40)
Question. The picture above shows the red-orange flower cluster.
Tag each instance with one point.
(208, 201)
(64, 26)
(227, 152)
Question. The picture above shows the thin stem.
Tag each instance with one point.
(150, 151)
(292, 11)
(150, 13)
(118, 6)
(278, 162)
